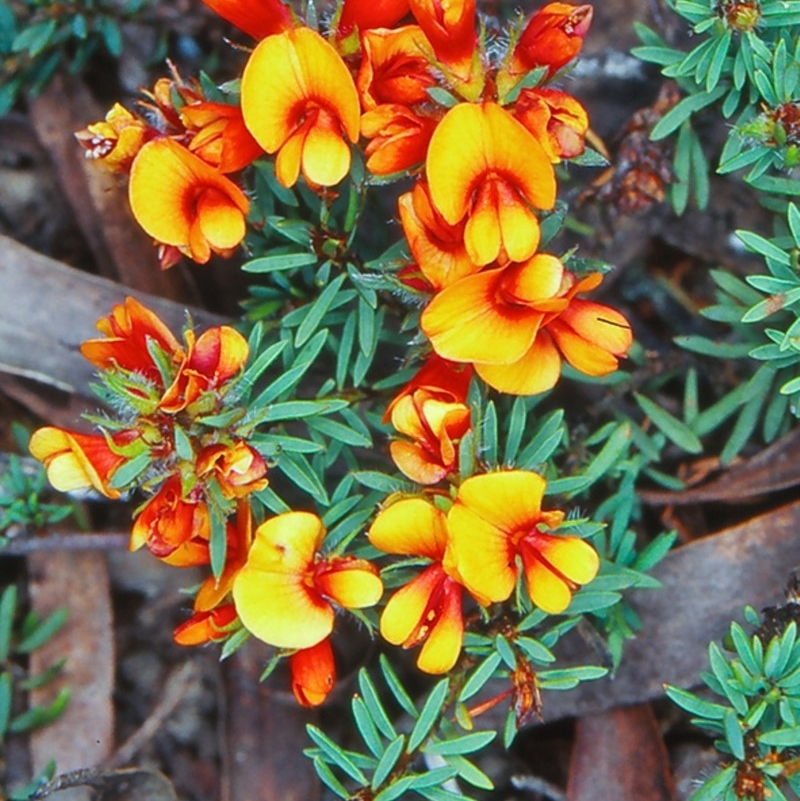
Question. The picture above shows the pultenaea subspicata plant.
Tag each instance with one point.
(255, 452)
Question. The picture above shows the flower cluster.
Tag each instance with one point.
(420, 90)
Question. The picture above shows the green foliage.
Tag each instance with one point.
(18, 638)
(37, 38)
(756, 719)
(745, 62)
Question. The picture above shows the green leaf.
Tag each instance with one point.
(5, 703)
(764, 247)
(43, 678)
(516, 428)
(396, 789)
(387, 762)
(716, 787)
(279, 262)
(296, 409)
(318, 311)
(536, 650)
(339, 432)
(694, 705)
(469, 773)
(480, 676)
(374, 706)
(545, 440)
(373, 479)
(733, 733)
(785, 738)
(130, 470)
(396, 688)
(335, 755)
(8, 608)
(34, 38)
(428, 715)
(43, 632)
(675, 117)
(297, 469)
(264, 360)
(467, 744)
(675, 430)
(218, 541)
(328, 778)
(366, 726)
(40, 715)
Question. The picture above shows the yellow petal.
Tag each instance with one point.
(351, 583)
(508, 499)
(483, 555)
(404, 610)
(546, 590)
(411, 526)
(572, 556)
(440, 650)
(326, 156)
(415, 462)
(292, 75)
(221, 223)
(537, 371)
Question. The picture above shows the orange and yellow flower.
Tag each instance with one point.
(180, 200)
(174, 528)
(208, 626)
(299, 101)
(486, 167)
(394, 67)
(79, 461)
(220, 137)
(116, 140)
(437, 246)
(238, 468)
(286, 591)
(398, 138)
(257, 18)
(434, 424)
(126, 334)
(552, 38)
(496, 518)
(450, 28)
(313, 672)
(209, 363)
(428, 609)
(557, 120)
(514, 324)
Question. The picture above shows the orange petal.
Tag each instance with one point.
(415, 462)
(600, 325)
(411, 526)
(219, 354)
(206, 626)
(313, 673)
(537, 371)
(221, 223)
(257, 18)
(468, 322)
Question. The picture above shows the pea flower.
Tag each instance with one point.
(398, 138)
(514, 324)
(299, 101)
(285, 592)
(238, 468)
(434, 425)
(552, 38)
(313, 673)
(557, 120)
(486, 167)
(203, 627)
(174, 529)
(497, 519)
(181, 201)
(428, 609)
(436, 245)
(210, 361)
(126, 334)
(115, 141)
(219, 135)
(257, 18)
(79, 461)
